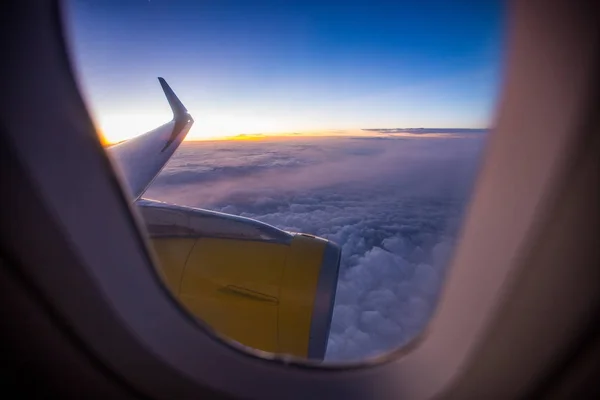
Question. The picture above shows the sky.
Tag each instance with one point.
(396, 220)
(244, 67)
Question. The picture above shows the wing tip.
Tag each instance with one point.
(179, 110)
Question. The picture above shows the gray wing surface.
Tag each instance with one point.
(142, 158)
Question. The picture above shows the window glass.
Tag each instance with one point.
(358, 123)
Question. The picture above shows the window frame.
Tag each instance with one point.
(67, 181)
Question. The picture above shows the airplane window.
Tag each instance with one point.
(304, 189)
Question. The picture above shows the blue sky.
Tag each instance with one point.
(280, 66)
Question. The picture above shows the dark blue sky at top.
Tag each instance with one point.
(300, 64)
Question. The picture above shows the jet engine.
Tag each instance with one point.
(258, 285)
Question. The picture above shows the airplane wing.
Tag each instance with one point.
(141, 159)
(253, 283)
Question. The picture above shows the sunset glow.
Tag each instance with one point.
(115, 128)
(269, 67)
(118, 127)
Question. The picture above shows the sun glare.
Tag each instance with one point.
(115, 128)
(119, 127)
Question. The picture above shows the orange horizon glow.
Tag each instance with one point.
(250, 137)
(324, 134)
(116, 128)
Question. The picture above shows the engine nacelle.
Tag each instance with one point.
(256, 284)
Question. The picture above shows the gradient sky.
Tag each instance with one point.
(283, 66)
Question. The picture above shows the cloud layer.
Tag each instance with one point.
(393, 204)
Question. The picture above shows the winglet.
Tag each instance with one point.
(179, 110)
(141, 158)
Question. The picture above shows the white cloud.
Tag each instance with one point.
(393, 206)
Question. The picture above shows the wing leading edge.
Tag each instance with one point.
(141, 159)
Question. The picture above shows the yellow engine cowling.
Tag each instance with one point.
(260, 286)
